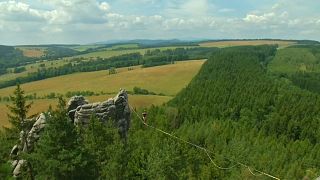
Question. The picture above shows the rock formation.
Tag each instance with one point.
(80, 112)
(26, 145)
(116, 108)
(73, 103)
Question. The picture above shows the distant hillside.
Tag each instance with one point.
(52, 51)
(145, 43)
(140, 41)
(9, 57)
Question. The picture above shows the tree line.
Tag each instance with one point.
(151, 58)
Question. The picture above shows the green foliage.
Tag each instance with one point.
(308, 81)
(68, 152)
(54, 52)
(5, 171)
(7, 138)
(42, 65)
(242, 113)
(297, 59)
(300, 64)
(19, 110)
(59, 154)
(137, 90)
(19, 69)
(69, 94)
(112, 70)
(10, 57)
(102, 142)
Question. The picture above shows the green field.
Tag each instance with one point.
(106, 53)
(291, 60)
(167, 79)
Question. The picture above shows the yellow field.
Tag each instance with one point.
(32, 51)
(105, 53)
(167, 79)
(246, 43)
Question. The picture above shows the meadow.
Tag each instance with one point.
(167, 79)
(298, 59)
(222, 44)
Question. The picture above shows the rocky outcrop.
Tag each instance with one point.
(80, 112)
(116, 109)
(73, 103)
(26, 144)
(34, 133)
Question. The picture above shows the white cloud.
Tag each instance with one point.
(196, 7)
(18, 11)
(257, 19)
(63, 11)
(49, 29)
(294, 22)
(92, 20)
(188, 8)
(276, 6)
(104, 6)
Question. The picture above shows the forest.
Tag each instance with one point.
(249, 121)
(300, 64)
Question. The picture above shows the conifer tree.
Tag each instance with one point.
(18, 120)
(19, 110)
(59, 154)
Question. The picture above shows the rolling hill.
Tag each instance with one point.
(168, 80)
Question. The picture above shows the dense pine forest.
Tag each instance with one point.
(234, 107)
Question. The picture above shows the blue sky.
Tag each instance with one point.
(87, 21)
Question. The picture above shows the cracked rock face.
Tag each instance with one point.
(116, 109)
(32, 136)
(73, 103)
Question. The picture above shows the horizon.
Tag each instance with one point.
(34, 22)
(134, 41)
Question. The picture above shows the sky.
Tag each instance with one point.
(89, 21)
